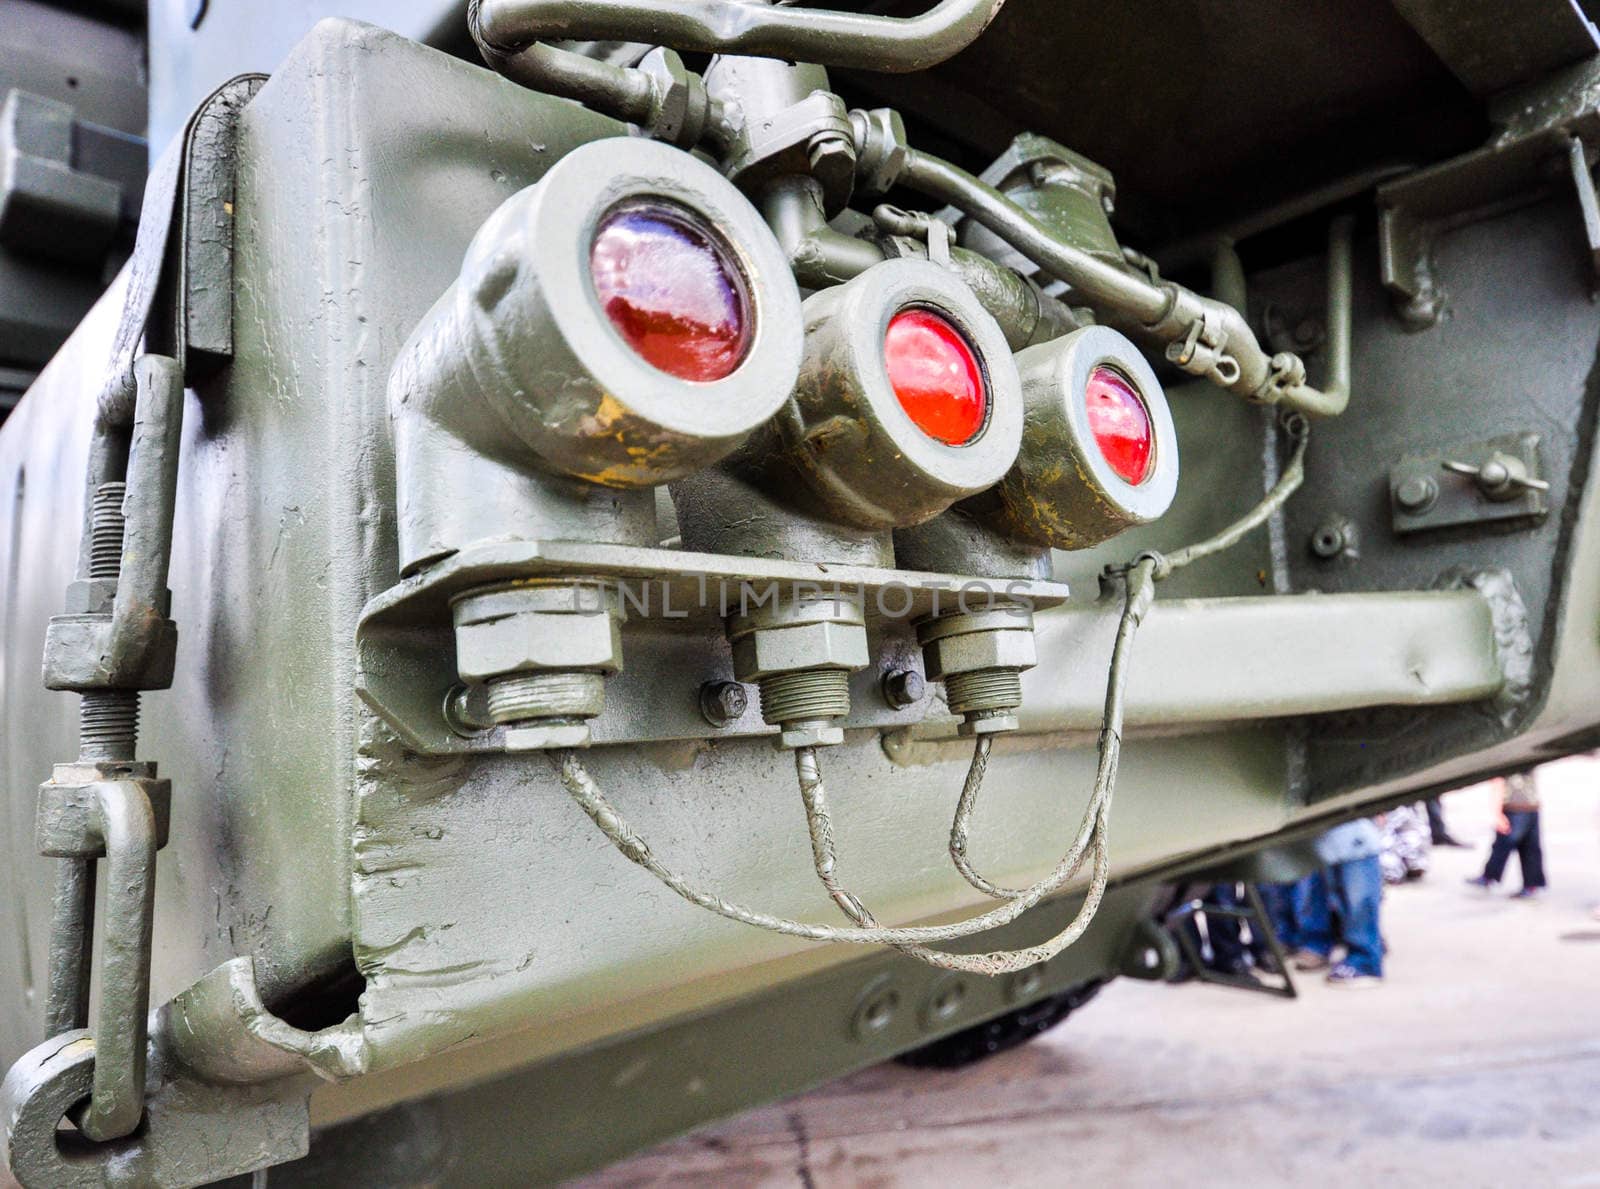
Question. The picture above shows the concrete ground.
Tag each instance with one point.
(1476, 1064)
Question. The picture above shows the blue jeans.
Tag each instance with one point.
(1283, 904)
(1354, 890)
(1523, 839)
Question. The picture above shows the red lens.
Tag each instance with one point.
(936, 376)
(671, 290)
(1120, 423)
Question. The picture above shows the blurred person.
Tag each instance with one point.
(1406, 844)
(1290, 909)
(1440, 832)
(1342, 907)
(1516, 830)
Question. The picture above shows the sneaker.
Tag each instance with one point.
(1309, 960)
(1479, 881)
(1346, 975)
(1528, 894)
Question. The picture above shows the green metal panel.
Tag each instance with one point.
(459, 904)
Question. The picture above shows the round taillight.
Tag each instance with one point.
(935, 375)
(1120, 423)
(672, 290)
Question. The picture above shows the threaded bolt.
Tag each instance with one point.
(984, 689)
(108, 720)
(527, 697)
(106, 528)
(108, 724)
(804, 696)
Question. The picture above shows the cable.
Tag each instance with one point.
(1140, 577)
(581, 786)
(1163, 566)
(963, 818)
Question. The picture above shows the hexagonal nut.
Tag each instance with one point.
(992, 724)
(833, 163)
(882, 148)
(974, 651)
(534, 640)
(766, 651)
(681, 103)
(78, 654)
(810, 735)
(91, 596)
(545, 736)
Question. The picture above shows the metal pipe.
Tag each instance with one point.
(822, 256)
(1172, 313)
(1099, 283)
(819, 255)
(853, 40)
(1195, 249)
(1227, 277)
(1335, 392)
(71, 946)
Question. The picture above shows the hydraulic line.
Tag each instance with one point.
(511, 35)
(1204, 336)
(852, 40)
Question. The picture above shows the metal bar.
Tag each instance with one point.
(1196, 249)
(1284, 656)
(892, 44)
(141, 599)
(1262, 920)
(71, 946)
(1588, 202)
(127, 824)
(1490, 45)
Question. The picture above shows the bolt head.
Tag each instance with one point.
(722, 702)
(903, 688)
(1416, 493)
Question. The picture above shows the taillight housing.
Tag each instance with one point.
(631, 317)
(907, 401)
(1101, 453)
